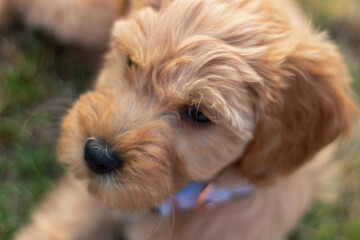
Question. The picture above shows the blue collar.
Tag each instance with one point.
(201, 196)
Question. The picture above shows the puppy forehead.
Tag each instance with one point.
(186, 36)
(197, 51)
(247, 22)
(177, 53)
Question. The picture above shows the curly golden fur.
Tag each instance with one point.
(275, 90)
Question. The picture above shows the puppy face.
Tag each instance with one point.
(194, 88)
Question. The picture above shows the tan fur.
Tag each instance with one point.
(275, 90)
(84, 22)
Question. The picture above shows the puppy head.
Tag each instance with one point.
(199, 86)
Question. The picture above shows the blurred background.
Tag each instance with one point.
(39, 79)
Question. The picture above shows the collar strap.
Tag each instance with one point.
(202, 196)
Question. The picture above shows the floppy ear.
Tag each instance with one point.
(314, 108)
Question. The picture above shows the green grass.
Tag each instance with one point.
(339, 219)
(38, 82)
(39, 79)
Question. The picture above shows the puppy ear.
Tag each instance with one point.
(310, 112)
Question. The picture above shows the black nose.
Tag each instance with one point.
(99, 158)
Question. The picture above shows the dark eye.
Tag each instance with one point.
(129, 61)
(196, 116)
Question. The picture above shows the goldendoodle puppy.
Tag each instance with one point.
(210, 119)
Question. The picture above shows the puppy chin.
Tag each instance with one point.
(128, 195)
(125, 193)
(126, 190)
